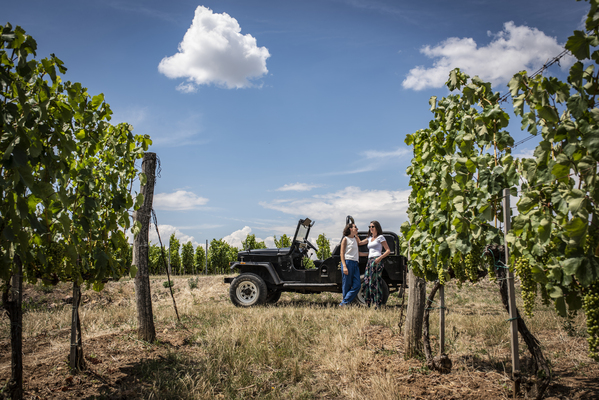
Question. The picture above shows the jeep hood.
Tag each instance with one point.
(264, 252)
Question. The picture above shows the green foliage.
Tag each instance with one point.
(307, 263)
(250, 243)
(220, 254)
(462, 162)
(66, 172)
(187, 258)
(193, 282)
(461, 165)
(285, 241)
(232, 255)
(155, 260)
(173, 248)
(200, 259)
(324, 247)
(168, 284)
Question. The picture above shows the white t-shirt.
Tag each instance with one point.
(351, 249)
(375, 246)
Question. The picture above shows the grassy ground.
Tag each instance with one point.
(303, 347)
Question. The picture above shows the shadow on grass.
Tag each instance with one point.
(305, 303)
(212, 372)
(172, 376)
(559, 387)
(320, 304)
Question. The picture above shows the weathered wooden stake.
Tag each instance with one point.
(76, 360)
(512, 296)
(415, 315)
(145, 318)
(442, 319)
(14, 310)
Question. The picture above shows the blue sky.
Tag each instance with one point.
(264, 112)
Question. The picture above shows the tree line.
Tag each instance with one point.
(184, 259)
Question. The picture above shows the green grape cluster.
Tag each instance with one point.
(528, 285)
(457, 266)
(491, 267)
(590, 304)
(442, 273)
(471, 263)
(589, 243)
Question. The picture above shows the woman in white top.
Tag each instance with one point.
(350, 277)
(373, 290)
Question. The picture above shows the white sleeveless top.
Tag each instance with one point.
(351, 249)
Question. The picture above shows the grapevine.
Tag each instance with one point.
(462, 162)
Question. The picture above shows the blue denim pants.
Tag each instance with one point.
(350, 283)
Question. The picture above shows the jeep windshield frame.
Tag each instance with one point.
(303, 230)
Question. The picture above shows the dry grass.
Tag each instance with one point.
(303, 347)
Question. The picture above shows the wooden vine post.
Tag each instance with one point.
(13, 307)
(76, 360)
(442, 319)
(145, 318)
(415, 315)
(512, 296)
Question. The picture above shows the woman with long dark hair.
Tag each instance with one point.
(373, 279)
(350, 277)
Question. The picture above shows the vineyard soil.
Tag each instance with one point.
(303, 347)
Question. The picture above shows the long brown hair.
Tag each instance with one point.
(347, 229)
(377, 226)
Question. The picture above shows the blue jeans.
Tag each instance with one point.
(350, 283)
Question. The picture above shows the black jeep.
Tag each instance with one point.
(265, 273)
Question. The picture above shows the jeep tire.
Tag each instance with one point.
(248, 290)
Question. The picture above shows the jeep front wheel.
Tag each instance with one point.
(248, 290)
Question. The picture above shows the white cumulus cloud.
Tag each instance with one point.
(524, 153)
(329, 210)
(514, 49)
(235, 238)
(297, 187)
(214, 51)
(165, 233)
(179, 200)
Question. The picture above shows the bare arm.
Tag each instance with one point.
(362, 242)
(343, 266)
(385, 254)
